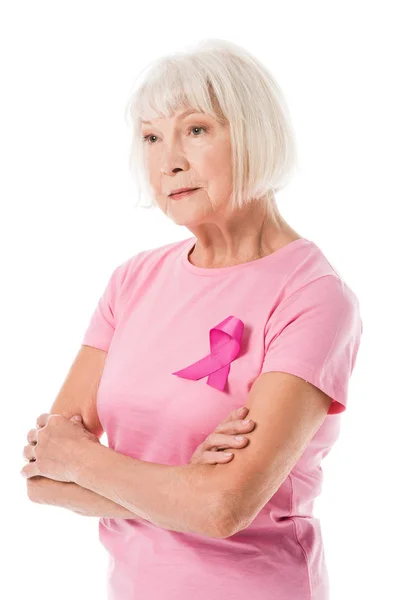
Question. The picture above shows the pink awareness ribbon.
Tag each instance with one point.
(225, 340)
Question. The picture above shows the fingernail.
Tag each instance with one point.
(247, 421)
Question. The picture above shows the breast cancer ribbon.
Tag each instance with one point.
(225, 340)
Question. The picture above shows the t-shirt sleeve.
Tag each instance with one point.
(102, 323)
(315, 334)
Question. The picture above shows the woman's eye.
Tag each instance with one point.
(204, 128)
(147, 137)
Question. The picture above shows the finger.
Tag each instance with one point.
(29, 452)
(238, 413)
(32, 436)
(213, 458)
(30, 470)
(219, 440)
(42, 419)
(231, 427)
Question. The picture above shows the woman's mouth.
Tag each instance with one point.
(181, 194)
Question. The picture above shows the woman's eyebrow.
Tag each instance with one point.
(187, 112)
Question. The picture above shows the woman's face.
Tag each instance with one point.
(189, 150)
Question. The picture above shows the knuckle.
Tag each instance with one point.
(27, 452)
(220, 440)
(31, 436)
(43, 420)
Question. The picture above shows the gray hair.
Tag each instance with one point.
(222, 79)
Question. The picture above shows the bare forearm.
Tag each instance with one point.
(185, 498)
(78, 499)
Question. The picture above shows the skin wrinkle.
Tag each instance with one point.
(180, 158)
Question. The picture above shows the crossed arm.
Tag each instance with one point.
(178, 498)
(213, 500)
(216, 500)
(76, 498)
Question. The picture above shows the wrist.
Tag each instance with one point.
(83, 457)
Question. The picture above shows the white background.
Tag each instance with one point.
(68, 218)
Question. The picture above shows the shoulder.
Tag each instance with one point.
(312, 296)
(144, 259)
(135, 271)
(314, 278)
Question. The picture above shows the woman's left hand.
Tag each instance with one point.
(56, 448)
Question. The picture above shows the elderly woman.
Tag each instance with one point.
(244, 313)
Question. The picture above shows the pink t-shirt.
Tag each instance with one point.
(154, 318)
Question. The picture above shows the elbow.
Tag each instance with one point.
(226, 522)
(215, 521)
(225, 527)
(222, 530)
(216, 509)
(232, 519)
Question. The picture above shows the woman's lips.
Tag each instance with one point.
(178, 196)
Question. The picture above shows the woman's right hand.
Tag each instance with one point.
(223, 436)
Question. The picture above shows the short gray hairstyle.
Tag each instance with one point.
(224, 80)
